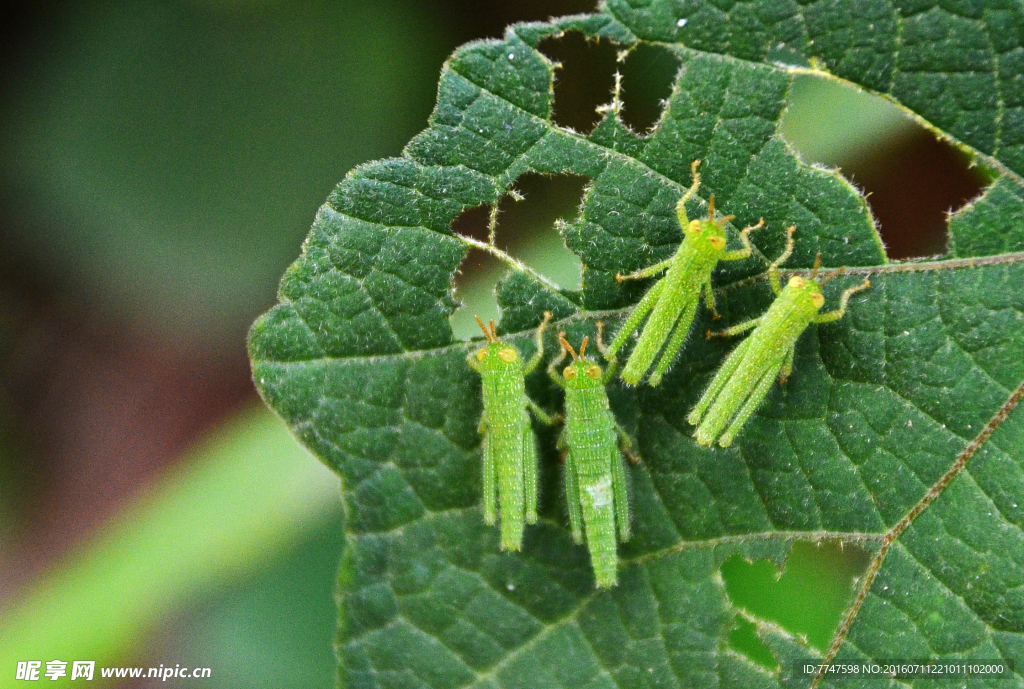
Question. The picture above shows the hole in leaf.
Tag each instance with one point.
(912, 179)
(477, 271)
(473, 222)
(526, 230)
(647, 79)
(583, 82)
(832, 124)
(743, 638)
(808, 599)
(913, 185)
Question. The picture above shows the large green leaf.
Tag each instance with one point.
(897, 430)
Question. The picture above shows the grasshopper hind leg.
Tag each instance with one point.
(490, 478)
(620, 493)
(750, 406)
(572, 498)
(682, 329)
(732, 363)
(529, 473)
(636, 317)
(572, 494)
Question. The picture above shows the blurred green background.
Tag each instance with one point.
(160, 164)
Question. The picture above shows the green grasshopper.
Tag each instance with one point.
(672, 301)
(509, 447)
(595, 478)
(743, 381)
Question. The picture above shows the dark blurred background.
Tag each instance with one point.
(160, 164)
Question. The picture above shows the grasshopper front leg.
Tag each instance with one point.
(553, 369)
(607, 353)
(787, 365)
(748, 248)
(542, 416)
(745, 252)
(843, 300)
(773, 269)
(736, 329)
(709, 299)
(539, 341)
(649, 271)
(688, 194)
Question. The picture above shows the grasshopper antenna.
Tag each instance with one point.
(491, 336)
(568, 347)
(833, 274)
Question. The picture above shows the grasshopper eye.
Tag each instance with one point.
(594, 371)
(569, 372)
(694, 226)
(818, 300)
(508, 355)
(481, 355)
(796, 282)
(717, 243)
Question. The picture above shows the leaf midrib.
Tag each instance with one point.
(586, 315)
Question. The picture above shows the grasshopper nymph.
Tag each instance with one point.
(672, 301)
(595, 478)
(509, 447)
(743, 381)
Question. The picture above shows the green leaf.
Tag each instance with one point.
(897, 431)
(992, 224)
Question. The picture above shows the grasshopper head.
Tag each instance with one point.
(582, 372)
(806, 292)
(496, 356)
(709, 233)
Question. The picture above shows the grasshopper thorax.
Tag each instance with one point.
(708, 234)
